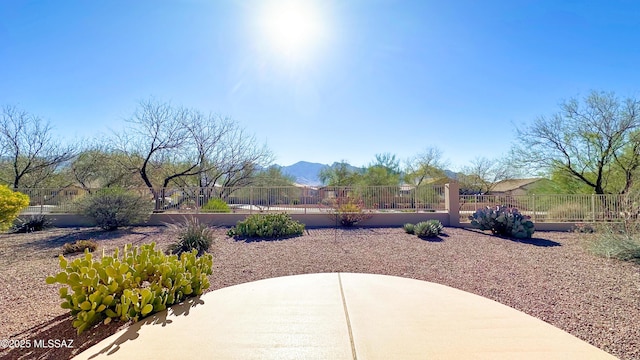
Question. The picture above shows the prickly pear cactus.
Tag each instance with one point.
(503, 221)
(128, 286)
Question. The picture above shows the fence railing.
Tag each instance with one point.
(291, 199)
(558, 208)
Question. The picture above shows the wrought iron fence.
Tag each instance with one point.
(294, 199)
(558, 208)
(291, 199)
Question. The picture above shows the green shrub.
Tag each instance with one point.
(79, 246)
(112, 208)
(11, 203)
(33, 223)
(192, 235)
(128, 286)
(409, 228)
(348, 210)
(267, 226)
(503, 221)
(216, 205)
(427, 229)
(617, 241)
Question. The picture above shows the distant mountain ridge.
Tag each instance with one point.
(308, 173)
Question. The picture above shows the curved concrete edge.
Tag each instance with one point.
(342, 316)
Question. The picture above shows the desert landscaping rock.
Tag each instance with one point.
(551, 277)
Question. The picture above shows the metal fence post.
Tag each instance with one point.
(251, 200)
(533, 205)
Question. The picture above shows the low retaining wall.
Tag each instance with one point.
(310, 220)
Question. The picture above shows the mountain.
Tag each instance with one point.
(304, 172)
(308, 173)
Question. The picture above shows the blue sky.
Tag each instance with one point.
(376, 76)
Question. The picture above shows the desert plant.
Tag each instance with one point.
(192, 235)
(427, 229)
(584, 228)
(216, 205)
(31, 224)
(267, 226)
(409, 228)
(348, 210)
(129, 285)
(610, 242)
(11, 203)
(503, 221)
(112, 208)
(79, 246)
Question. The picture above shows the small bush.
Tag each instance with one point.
(11, 203)
(129, 285)
(267, 226)
(112, 208)
(409, 228)
(348, 210)
(617, 242)
(192, 235)
(503, 221)
(584, 228)
(79, 246)
(33, 223)
(428, 229)
(216, 205)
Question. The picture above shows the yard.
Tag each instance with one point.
(551, 277)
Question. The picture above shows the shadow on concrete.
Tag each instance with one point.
(131, 333)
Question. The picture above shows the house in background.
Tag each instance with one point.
(513, 187)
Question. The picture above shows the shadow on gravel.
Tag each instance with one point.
(55, 241)
(533, 241)
(246, 239)
(536, 242)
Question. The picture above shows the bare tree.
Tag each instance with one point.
(173, 145)
(99, 167)
(584, 139)
(29, 154)
(481, 176)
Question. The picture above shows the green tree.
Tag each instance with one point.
(585, 139)
(272, 176)
(340, 174)
(384, 171)
(427, 165)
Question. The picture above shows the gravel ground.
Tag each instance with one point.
(551, 277)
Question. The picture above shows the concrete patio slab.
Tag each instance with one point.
(341, 316)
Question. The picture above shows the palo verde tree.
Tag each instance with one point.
(383, 171)
(427, 165)
(586, 139)
(29, 154)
